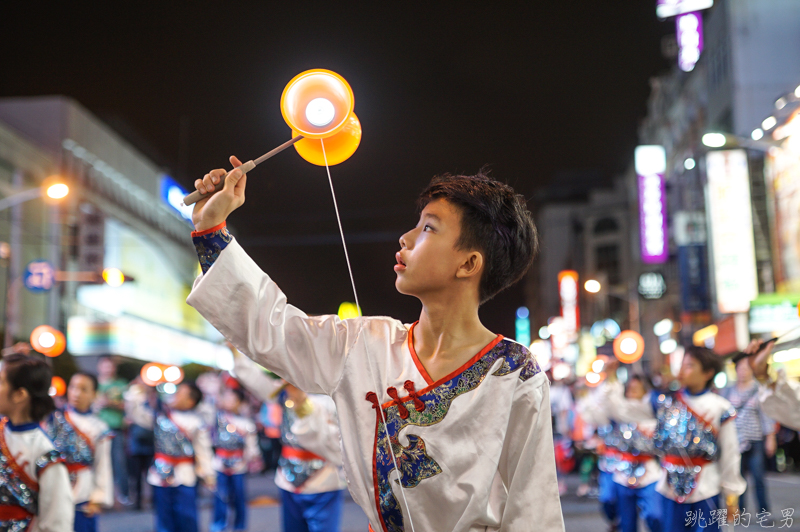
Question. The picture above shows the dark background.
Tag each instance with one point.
(533, 89)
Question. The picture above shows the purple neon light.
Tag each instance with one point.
(689, 33)
(653, 219)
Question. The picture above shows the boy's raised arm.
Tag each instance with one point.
(249, 309)
(527, 463)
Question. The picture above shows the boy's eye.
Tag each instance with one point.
(427, 227)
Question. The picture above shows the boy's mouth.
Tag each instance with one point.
(400, 266)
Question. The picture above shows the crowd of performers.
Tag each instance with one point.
(56, 460)
(676, 460)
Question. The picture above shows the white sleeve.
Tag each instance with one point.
(203, 456)
(136, 409)
(622, 409)
(254, 379)
(249, 309)
(103, 492)
(56, 508)
(527, 463)
(781, 402)
(592, 411)
(251, 450)
(730, 472)
(318, 431)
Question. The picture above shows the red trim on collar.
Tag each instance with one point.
(431, 384)
(209, 231)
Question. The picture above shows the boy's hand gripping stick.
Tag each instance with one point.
(196, 196)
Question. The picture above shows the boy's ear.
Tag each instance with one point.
(471, 266)
(20, 395)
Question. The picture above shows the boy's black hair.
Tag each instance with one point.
(194, 392)
(707, 359)
(238, 392)
(88, 376)
(33, 375)
(495, 221)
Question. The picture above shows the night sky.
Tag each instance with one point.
(530, 88)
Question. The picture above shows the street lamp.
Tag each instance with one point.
(53, 188)
(592, 286)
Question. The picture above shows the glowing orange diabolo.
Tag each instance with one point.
(628, 347)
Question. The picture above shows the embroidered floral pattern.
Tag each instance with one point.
(74, 446)
(171, 445)
(209, 246)
(413, 461)
(295, 470)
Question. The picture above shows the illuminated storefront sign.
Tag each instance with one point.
(672, 8)
(173, 194)
(774, 313)
(650, 163)
(652, 285)
(568, 290)
(689, 32)
(731, 223)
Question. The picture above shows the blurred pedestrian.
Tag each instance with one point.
(111, 409)
(141, 448)
(183, 454)
(269, 438)
(756, 431)
(235, 447)
(84, 441)
(36, 492)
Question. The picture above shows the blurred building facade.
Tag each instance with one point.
(727, 273)
(122, 212)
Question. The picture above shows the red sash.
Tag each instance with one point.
(174, 460)
(80, 434)
(299, 454)
(225, 453)
(12, 462)
(684, 460)
(628, 457)
(14, 513)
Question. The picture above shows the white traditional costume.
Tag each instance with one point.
(696, 444)
(183, 454)
(781, 401)
(84, 441)
(474, 449)
(35, 492)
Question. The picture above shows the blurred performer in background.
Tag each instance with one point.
(35, 494)
(697, 444)
(235, 447)
(84, 441)
(183, 454)
(309, 472)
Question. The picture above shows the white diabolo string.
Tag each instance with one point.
(369, 359)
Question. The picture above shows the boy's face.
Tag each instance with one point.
(6, 404)
(635, 389)
(692, 375)
(230, 401)
(81, 392)
(182, 399)
(428, 261)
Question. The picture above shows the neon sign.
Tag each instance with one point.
(689, 29)
(650, 163)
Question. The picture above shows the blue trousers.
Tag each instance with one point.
(230, 492)
(754, 461)
(635, 502)
(607, 495)
(677, 517)
(84, 523)
(176, 508)
(314, 512)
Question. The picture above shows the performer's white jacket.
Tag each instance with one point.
(94, 484)
(56, 509)
(246, 428)
(191, 424)
(781, 401)
(317, 432)
(720, 475)
(593, 410)
(479, 454)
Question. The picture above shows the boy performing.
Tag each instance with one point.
(445, 425)
(696, 441)
(235, 446)
(35, 491)
(84, 442)
(309, 469)
(183, 454)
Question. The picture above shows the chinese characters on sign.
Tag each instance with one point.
(39, 276)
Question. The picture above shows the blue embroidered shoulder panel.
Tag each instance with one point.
(209, 247)
(413, 461)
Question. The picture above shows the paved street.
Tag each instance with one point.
(581, 514)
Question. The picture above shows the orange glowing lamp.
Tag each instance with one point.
(628, 347)
(154, 374)
(57, 386)
(318, 105)
(48, 341)
(594, 379)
